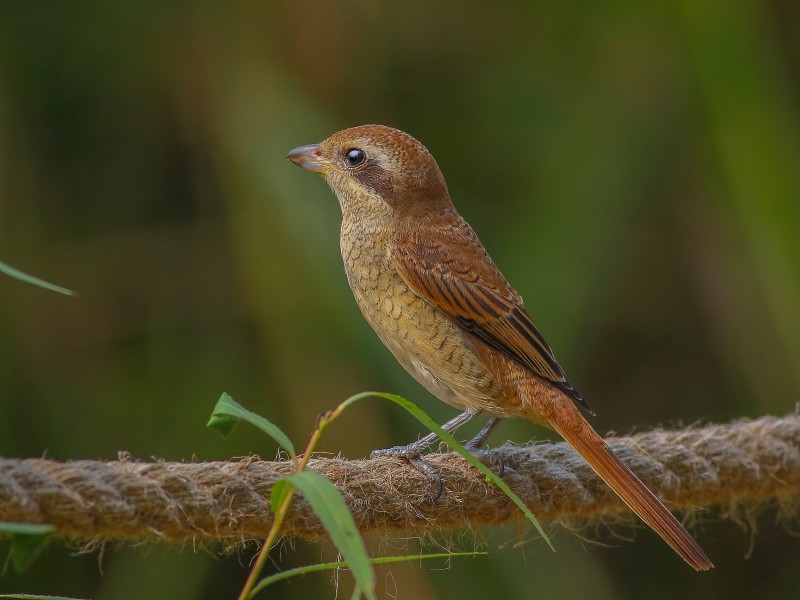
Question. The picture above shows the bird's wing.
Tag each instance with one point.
(452, 271)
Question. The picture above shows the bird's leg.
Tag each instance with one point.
(474, 445)
(480, 439)
(414, 449)
(432, 472)
(411, 452)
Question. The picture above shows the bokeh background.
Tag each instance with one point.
(633, 167)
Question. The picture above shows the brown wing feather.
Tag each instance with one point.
(455, 274)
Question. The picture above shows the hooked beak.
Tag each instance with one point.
(309, 158)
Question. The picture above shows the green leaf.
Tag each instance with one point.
(26, 528)
(227, 413)
(36, 597)
(27, 542)
(17, 274)
(278, 493)
(267, 581)
(329, 506)
(448, 439)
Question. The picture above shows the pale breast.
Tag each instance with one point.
(424, 340)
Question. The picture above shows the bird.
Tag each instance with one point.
(427, 286)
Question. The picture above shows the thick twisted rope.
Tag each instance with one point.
(733, 464)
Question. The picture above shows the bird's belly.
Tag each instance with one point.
(429, 345)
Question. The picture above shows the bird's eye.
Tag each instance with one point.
(355, 157)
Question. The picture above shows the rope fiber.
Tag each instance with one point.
(727, 465)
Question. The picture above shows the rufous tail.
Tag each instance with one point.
(567, 421)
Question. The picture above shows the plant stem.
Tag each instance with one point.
(258, 566)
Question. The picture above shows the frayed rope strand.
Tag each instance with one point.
(731, 464)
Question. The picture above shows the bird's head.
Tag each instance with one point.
(377, 170)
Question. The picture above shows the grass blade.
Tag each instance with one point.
(329, 506)
(35, 597)
(278, 493)
(17, 274)
(448, 439)
(342, 564)
(27, 542)
(25, 528)
(227, 413)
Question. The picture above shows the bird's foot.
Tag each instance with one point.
(480, 438)
(411, 453)
(491, 458)
(475, 446)
(409, 450)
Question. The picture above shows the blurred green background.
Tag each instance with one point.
(634, 168)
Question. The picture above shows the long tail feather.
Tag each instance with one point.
(567, 421)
